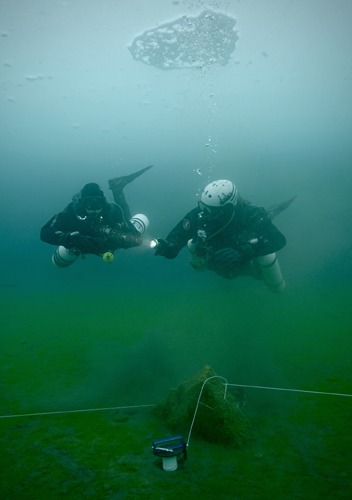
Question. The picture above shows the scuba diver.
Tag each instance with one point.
(229, 236)
(92, 225)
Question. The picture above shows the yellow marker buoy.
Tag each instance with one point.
(108, 257)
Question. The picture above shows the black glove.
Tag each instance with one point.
(200, 247)
(85, 244)
(166, 249)
(226, 259)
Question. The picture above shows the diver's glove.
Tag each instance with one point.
(84, 244)
(166, 249)
(228, 259)
(247, 251)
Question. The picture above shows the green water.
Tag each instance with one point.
(125, 349)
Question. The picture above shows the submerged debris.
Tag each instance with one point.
(188, 42)
(217, 420)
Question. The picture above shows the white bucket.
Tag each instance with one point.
(170, 463)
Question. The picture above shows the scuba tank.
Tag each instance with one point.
(64, 257)
(271, 272)
(198, 256)
(198, 262)
(140, 222)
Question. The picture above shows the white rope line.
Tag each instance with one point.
(198, 402)
(291, 390)
(253, 387)
(73, 411)
(226, 384)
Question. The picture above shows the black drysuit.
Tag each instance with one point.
(91, 233)
(227, 246)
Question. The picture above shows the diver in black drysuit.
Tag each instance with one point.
(226, 238)
(92, 225)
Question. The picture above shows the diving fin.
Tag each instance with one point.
(275, 210)
(121, 182)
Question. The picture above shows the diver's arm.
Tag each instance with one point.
(263, 236)
(178, 236)
(123, 239)
(167, 249)
(120, 232)
(59, 227)
(51, 232)
(272, 240)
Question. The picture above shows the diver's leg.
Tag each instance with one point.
(121, 182)
(120, 200)
(117, 185)
(275, 210)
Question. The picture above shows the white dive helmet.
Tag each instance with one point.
(219, 193)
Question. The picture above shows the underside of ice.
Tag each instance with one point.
(188, 42)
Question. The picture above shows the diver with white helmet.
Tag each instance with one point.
(228, 235)
(92, 225)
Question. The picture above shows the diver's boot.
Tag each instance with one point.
(121, 182)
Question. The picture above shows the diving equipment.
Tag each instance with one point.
(275, 210)
(271, 272)
(140, 222)
(198, 258)
(108, 257)
(121, 182)
(217, 194)
(64, 257)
